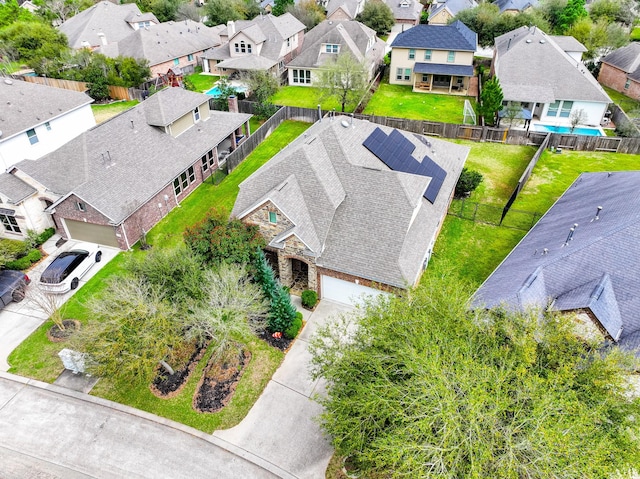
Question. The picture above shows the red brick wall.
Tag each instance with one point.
(615, 78)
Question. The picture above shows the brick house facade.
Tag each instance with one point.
(617, 79)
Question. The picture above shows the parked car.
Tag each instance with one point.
(13, 286)
(66, 270)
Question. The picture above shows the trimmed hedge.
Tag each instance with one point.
(309, 298)
(293, 330)
(33, 256)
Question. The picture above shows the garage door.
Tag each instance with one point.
(79, 230)
(345, 291)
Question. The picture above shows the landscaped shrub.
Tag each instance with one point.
(468, 181)
(293, 330)
(265, 277)
(309, 298)
(282, 312)
(23, 263)
(45, 235)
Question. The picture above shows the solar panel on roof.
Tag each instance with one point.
(395, 151)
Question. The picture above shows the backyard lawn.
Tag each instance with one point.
(37, 357)
(202, 82)
(400, 102)
(304, 97)
(104, 112)
(627, 104)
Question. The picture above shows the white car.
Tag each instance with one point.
(66, 270)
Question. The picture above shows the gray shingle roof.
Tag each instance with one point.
(519, 5)
(351, 7)
(568, 43)
(352, 36)
(14, 188)
(122, 163)
(597, 269)
(405, 9)
(104, 17)
(164, 42)
(626, 59)
(455, 36)
(528, 61)
(162, 110)
(454, 6)
(26, 105)
(360, 211)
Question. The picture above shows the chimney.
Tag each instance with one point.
(231, 28)
(233, 104)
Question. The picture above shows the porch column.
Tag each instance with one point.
(450, 83)
(284, 265)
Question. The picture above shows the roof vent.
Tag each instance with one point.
(344, 123)
(597, 217)
(528, 40)
(542, 41)
(8, 81)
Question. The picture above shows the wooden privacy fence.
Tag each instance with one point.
(115, 92)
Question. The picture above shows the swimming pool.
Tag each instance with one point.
(567, 130)
(215, 91)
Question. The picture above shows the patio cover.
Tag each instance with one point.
(247, 62)
(442, 69)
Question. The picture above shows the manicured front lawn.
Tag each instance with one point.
(400, 102)
(202, 82)
(304, 97)
(37, 357)
(105, 112)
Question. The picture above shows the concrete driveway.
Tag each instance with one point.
(282, 426)
(19, 320)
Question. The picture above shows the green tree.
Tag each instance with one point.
(280, 6)
(551, 10)
(262, 85)
(31, 42)
(131, 71)
(11, 12)
(491, 100)
(61, 10)
(282, 312)
(573, 11)
(308, 12)
(165, 10)
(222, 11)
(378, 16)
(345, 79)
(226, 90)
(419, 386)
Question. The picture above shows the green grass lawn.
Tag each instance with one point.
(304, 97)
(37, 357)
(400, 102)
(203, 82)
(624, 102)
(635, 34)
(104, 112)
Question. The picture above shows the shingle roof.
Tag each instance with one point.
(352, 36)
(351, 7)
(103, 17)
(26, 105)
(162, 110)
(164, 42)
(453, 6)
(530, 65)
(519, 5)
(14, 188)
(597, 269)
(342, 193)
(455, 36)
(405, 9)
(122, 163)
(568, 43)
(626, 59)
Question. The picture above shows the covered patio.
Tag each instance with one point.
(441, 78)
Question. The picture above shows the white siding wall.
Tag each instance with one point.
(594, 111)
(63, 129)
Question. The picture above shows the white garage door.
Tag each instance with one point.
(79, 230)
(345, 291)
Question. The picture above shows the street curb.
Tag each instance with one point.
(221, 443)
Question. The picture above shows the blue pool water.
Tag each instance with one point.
(567, 130)
(215, 91)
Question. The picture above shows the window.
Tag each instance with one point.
(288, 42)
(565, 111)
(208, 161)
(451, 56)
(248, 47)
(183, 181)
(48, 126)
(627, 84)
(236, 47)
(412, 54)
(553, 109)
(399, 74)
(190, 57)
(80, 206)
(33, 138)
(425, 77)
(176, 61)
(331, 48)
(302, 76)
(407, 74)
(10, 223)
(196, 114)
(273, 217)
(242, 47)
(427, 55)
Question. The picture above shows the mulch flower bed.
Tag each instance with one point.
(166, 385)
(57, 335)
(281, 343)
(220, 378)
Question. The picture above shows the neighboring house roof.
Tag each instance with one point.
(120, 164)
(517, 5)
(352, 36)
(455, 36)
(568, 43)
(164, 42)
(350, 7)
(26, 105)
(532, 67)
(452, 6)
(14, 188)
(626, 59)
(337, 192)
(405, 9)
(272, 32)
(597, 269)
(104, 17)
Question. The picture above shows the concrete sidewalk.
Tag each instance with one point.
(283, 424)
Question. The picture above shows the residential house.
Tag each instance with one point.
(434, 58)
(37, 119)
(265, 43)
(326, 41)
(114, 182)
(581, 257)
(351, 207)
(620, 70)
(547, 80)
(441, 12)
(515, 6)
(338, 10)
(169, 45)
(406, 12)
(104, 23)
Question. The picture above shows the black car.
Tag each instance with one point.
(13, 286)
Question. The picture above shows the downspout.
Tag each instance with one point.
(126, 240)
